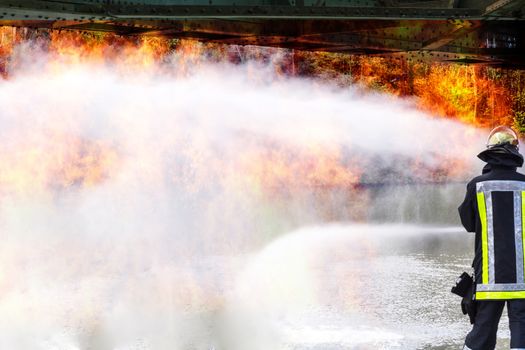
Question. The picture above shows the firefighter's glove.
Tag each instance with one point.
(469, 307)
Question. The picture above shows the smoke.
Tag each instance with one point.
(130, 200)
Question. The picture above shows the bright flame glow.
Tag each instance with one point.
(135, 179)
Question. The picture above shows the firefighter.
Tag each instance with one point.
(494, 208)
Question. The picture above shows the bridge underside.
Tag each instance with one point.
(488, 32)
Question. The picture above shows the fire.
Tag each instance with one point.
(301, 168)
(473, 94)
(53, 160)
(477, 95)
(79, 48)
(466, 93)
(73, 48)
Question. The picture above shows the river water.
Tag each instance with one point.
(338, 286)
(310, 284)
(373, 287)
(360, 287)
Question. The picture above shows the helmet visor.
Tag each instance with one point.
(500, 135)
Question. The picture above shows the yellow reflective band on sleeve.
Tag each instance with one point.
(500, 295)
(484, 240)
(523, 222)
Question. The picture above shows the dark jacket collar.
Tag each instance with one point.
(504, 156)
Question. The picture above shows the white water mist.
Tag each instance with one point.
(148, 256)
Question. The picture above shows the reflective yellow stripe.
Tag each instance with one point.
(523, 222)
(484, 241)
(500, 295)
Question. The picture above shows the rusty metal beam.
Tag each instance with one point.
(505, 9)
(467, 30)
(66, 10)
(461, 30)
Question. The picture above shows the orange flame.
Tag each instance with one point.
(466, 93)
(478, 95)
(55, 161)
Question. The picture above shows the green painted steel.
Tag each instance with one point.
(251, 9)
(487, 31)
(337, 3)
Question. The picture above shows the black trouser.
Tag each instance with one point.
(483, 334)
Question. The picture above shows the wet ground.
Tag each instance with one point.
(328, 287)
(361, 287)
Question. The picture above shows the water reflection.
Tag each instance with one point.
(359, 287)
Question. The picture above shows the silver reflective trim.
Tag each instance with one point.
(518, 239)
(500, 287)
(466, 348)
(487, 187)
(490, 236)
(498, 185)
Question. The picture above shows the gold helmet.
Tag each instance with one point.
(500, 135)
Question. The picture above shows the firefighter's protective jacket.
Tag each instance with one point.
(494, 208)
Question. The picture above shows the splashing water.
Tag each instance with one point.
(135, 208)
